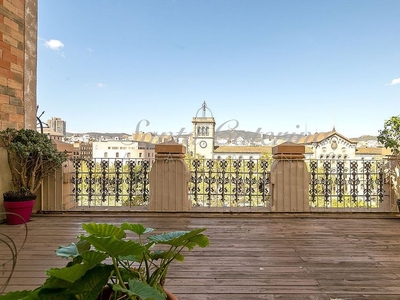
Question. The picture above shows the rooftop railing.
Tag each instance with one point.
(230, 185)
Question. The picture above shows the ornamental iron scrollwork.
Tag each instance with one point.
(250, 181)
(76, 179)
(90, 181)
(145, 169)
(380, 180)
(326, 181)
(104, 180)
(334, 183)
(209, 180)
(340, 181)
(354, 181)
(346, 183)
(116, 181)
(314, 181)
(223, 180)
(264, 180)
(368, 184)
(196, 179)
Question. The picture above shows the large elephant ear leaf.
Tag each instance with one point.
(139, 229)
(104, 230)
(141, 289)
(199, 240)
(74, 272)
(182, 238)
(159, 254)
(19, 295)
(115, 247)
(73, 249)
(92, 283)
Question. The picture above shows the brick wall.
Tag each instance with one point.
(18, 64)
(12, 26)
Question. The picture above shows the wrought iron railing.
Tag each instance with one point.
(348, 184)
(229, 183)
(111, 183)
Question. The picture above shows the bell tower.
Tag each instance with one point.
(203, 132)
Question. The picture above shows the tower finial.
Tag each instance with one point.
(204, 106)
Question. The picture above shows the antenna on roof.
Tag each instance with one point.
(334, 119)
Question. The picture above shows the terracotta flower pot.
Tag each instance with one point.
(170, 296)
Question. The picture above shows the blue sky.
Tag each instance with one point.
(282, 66)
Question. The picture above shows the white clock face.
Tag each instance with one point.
(203, 144)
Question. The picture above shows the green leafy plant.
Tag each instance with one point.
(389, 137)
(123, 258)
(31, 157)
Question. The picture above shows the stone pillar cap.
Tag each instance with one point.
(289, 148)
(170, 147)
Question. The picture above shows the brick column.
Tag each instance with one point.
(290, 179)
(18, 64)
(169, 178)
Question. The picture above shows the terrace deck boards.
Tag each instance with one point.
(250, 256)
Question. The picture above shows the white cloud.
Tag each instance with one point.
(100, 85)
(394, 81)
(54, 44)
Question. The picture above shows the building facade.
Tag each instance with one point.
(203, 138)
(123, 150)
(58, 125)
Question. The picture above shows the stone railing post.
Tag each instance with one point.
(393, 181)
(55, 192)
(290, 179)
(169, 178)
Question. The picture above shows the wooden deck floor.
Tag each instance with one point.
(250, 256)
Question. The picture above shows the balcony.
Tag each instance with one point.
(280, 228)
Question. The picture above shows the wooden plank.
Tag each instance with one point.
(249, 257)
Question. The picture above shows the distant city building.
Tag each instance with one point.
(321, 145)
(52, 134)
(241, 152)
(123, 149)
(58, 125)
(150, 137)
(333, 145)
(202, 142)
(329, 144)
(83, 150)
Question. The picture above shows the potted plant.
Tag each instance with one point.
(389, 137)
(31, 157)
(115, 262)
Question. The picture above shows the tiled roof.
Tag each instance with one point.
(320, 136)
(373, 151)
(249, 149)
(243, 149)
